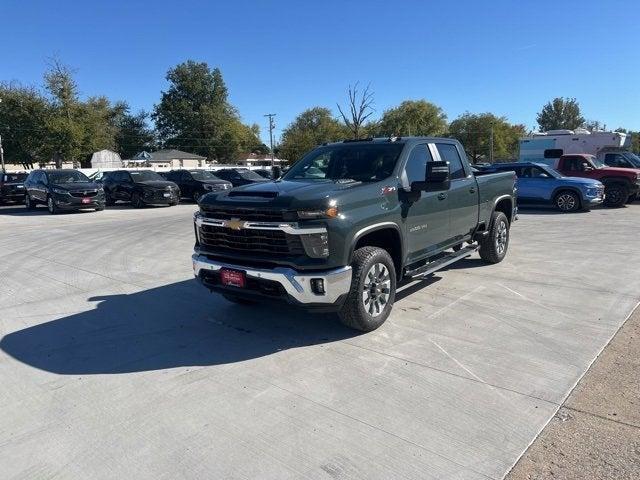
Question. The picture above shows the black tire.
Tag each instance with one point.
(136, 201)
(494, 246)
(356, 312)
(239, 300)
(632, 198)
(29, 203)
(51, 206)
(567, 201)
(196, 197)
(108, 200)
(615, 195)
(99, 209)
(173, 204)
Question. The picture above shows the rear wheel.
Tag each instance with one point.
(494, 246)
(373, 290)
(567, 201)
(109, 201)
(615, 195)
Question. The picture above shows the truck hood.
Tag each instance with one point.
(284, 194)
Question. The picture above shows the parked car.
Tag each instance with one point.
(195, 183)
(620, 184)
(620, 159)
(140, 187)
(239, 176)
(349, 221)
(61, 190)
(264, 172)
(12, 187)
(541, 185)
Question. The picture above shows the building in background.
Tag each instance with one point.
(258, 160)
(167, 158)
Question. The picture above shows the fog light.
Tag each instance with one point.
(317, 286)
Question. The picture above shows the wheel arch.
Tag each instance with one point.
(571, 189)
(504, 204)
(386, 235)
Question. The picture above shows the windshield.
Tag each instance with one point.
(249, 175)
(598, 163)
(369, 162)
(15, 177)
(67, 176)
(203, 175)
(632, 158)
(549, 171)
(145, 175)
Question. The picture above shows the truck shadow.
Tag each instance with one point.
(175, 325)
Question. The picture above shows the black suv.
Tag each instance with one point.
(239, 176)
(140, 187)
(12, 187)
(195, 183)
(62, 190)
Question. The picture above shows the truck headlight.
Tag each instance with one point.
(330, 212)
(316, 245)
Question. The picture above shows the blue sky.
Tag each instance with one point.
(506, 57)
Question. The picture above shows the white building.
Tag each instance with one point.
(168, 158)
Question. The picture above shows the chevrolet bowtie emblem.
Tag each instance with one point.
(234, 224)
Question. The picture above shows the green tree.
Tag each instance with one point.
(474, 131)
(195, 115)
(560, 113)
(308, 130)
(413, 117)
(133, 133)
(23, 112)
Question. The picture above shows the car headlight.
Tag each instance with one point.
(330, 212)
(59, 191)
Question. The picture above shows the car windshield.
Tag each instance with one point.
(203, 175)
(368, 162)
(249, 175)
(145, 175)
(596, 162)
(15, 177)
(632, 158)
(67, 176)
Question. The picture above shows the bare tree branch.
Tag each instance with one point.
(360, 109)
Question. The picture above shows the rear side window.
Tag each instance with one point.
(417, 163)
(449, 153)
(553, 153)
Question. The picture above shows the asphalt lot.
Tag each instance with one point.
(114, 363)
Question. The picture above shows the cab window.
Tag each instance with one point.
(449, 153)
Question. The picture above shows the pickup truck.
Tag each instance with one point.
(348, 222)
(540, 185)
(620, 184)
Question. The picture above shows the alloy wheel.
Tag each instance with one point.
(566, 202)
(376, 289)
(502, 237)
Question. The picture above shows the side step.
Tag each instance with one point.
(442, 262)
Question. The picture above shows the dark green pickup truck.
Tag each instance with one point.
(348, 222)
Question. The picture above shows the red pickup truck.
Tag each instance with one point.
(620, 184)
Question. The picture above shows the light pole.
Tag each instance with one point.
(1, 151)
(271, 127)
(491, 145)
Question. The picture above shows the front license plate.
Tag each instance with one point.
(86, 200)
(167, 195)
(232, 278)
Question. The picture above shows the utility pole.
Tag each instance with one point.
(271, 127)
(491, 144)
(1, 151)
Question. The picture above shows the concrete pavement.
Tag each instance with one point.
(115, 363)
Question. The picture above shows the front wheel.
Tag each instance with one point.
(108, 199)
(136, 201)
(196, 197)
(494, 246)
(632, 198)
(567, 202)
(373, 290)
(51, 206)
(615, 196)
(29, 203)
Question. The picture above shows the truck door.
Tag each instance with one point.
(426, 218)
(463, 194)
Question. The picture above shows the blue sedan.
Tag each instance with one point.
(540, 185)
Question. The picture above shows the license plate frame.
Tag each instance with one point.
(233, 278)
(166, 195)
(86, 200)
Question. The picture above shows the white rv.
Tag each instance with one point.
(547, 147)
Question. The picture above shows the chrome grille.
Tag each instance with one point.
(246, 240)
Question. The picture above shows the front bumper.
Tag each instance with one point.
(157, 197)
(67, 202)
(295, 285)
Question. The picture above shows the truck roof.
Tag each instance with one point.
(393, 140)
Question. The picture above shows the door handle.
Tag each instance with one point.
(472, 190)
(442, 196)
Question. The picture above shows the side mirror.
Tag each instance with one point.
(588, 168)
(437, 178)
